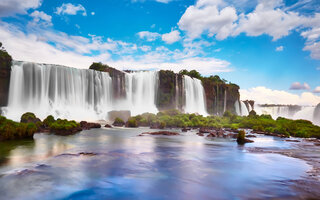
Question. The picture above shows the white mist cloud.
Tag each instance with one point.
(263, 95)
(280, 48)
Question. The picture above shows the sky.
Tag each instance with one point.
(270, 48)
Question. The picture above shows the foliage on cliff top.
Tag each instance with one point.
(5, 58)
(10, 130)
(215, 79)
(265, 123)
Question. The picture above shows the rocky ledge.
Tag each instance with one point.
(160, 133)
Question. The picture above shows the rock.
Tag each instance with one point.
(185, 129)
(204, 130)
(108, 126)
(64, 132)
(212, 134)
(88, 125)
(241, 138)
(122, 114)
(160, 133)
(29, 118)
(292, 140)
(118, 122)
(5, 72)
(200, 134)
(251, 136)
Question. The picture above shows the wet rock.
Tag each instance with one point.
(118, 122)
(212, 134)
(160, 133)
(185, 129)
(29, 117)
(292, 140)
(108, 126)
(200, 134)
(88, 125)
(241, 138)
(204, 130)
(251, 136)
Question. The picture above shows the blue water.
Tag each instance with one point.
(127, 166)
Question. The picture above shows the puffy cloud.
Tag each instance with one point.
(263, 95)
(280, 48)
(171, 37)
(149, 36)
(11, 7)
(268, 19)
(205, 16)
(39, 17)
(316, 90)
(93, 13)
(76, 51)
(299, 86)
(70, 9)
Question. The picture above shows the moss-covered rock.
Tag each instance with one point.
(29, 117)
(64, 127)
(118, 122)
(132, 122)
(10, 130)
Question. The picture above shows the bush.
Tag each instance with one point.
(132, 122)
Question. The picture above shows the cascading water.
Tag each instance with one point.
(77, 94)
(195, 97)
(241, 108)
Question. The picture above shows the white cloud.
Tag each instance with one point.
(263, 95)
(206, 17)
(268, 18)
(46, 46)
(70, 9)
(299, 86)
(316, 90)
(41, 18)
(12, 7)
(93, 13)
(149, 36)
(279, 48)
(171, 37)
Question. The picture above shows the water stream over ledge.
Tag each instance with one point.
(117, 164)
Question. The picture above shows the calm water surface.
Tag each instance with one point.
(125, 166)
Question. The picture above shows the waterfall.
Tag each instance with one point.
(225, 101)
(78, 94)
(241, 108)
(195, 96)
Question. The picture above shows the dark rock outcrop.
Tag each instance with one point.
(89, 125)
(241, 138)
(5, 72)
(118, 78)
(170, 93)
(160, 133)
(108, 126)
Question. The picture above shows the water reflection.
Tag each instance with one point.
(118, 164)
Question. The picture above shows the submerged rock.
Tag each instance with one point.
(160, 133)
(108, 126)
(200, 134)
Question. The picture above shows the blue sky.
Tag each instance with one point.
(268, 47)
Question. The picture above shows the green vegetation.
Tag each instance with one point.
(132, 122)
(263, 123)
(118, 122)
(98, 67)
(63, 124)
(10, 130)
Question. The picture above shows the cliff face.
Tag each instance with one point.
(5, 71)
(220, 96)
(118, 78)
(170, 94)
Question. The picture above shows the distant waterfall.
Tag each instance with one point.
(310, 113)
(194, 96)
(75, 93)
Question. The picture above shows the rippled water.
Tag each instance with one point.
(126, 166)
